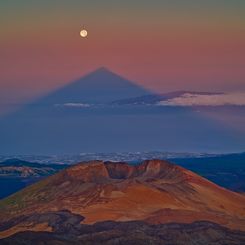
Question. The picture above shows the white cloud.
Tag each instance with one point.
(192, 99)
(78, 105)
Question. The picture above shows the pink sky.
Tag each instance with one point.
(158, 46)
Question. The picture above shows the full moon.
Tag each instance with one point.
(83, 33)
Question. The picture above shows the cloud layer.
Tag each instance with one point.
(77, 105)
(192, 99)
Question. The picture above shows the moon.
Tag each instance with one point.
(84, 33)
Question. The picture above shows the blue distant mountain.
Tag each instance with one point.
(16, 174)
(99, 87)
(98, 113)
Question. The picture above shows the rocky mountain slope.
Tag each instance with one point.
(154, 192)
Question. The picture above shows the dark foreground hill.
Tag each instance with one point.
(68, 230)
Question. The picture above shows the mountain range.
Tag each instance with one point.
(113, 202)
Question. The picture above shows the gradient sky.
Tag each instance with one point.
(162, 45)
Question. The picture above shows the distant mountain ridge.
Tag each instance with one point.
(20, 168)
(16, 174)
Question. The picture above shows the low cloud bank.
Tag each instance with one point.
(192, 99)
(78, 105)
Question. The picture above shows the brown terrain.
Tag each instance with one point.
(153, 194)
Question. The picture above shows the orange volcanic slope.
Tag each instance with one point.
(154, 191)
